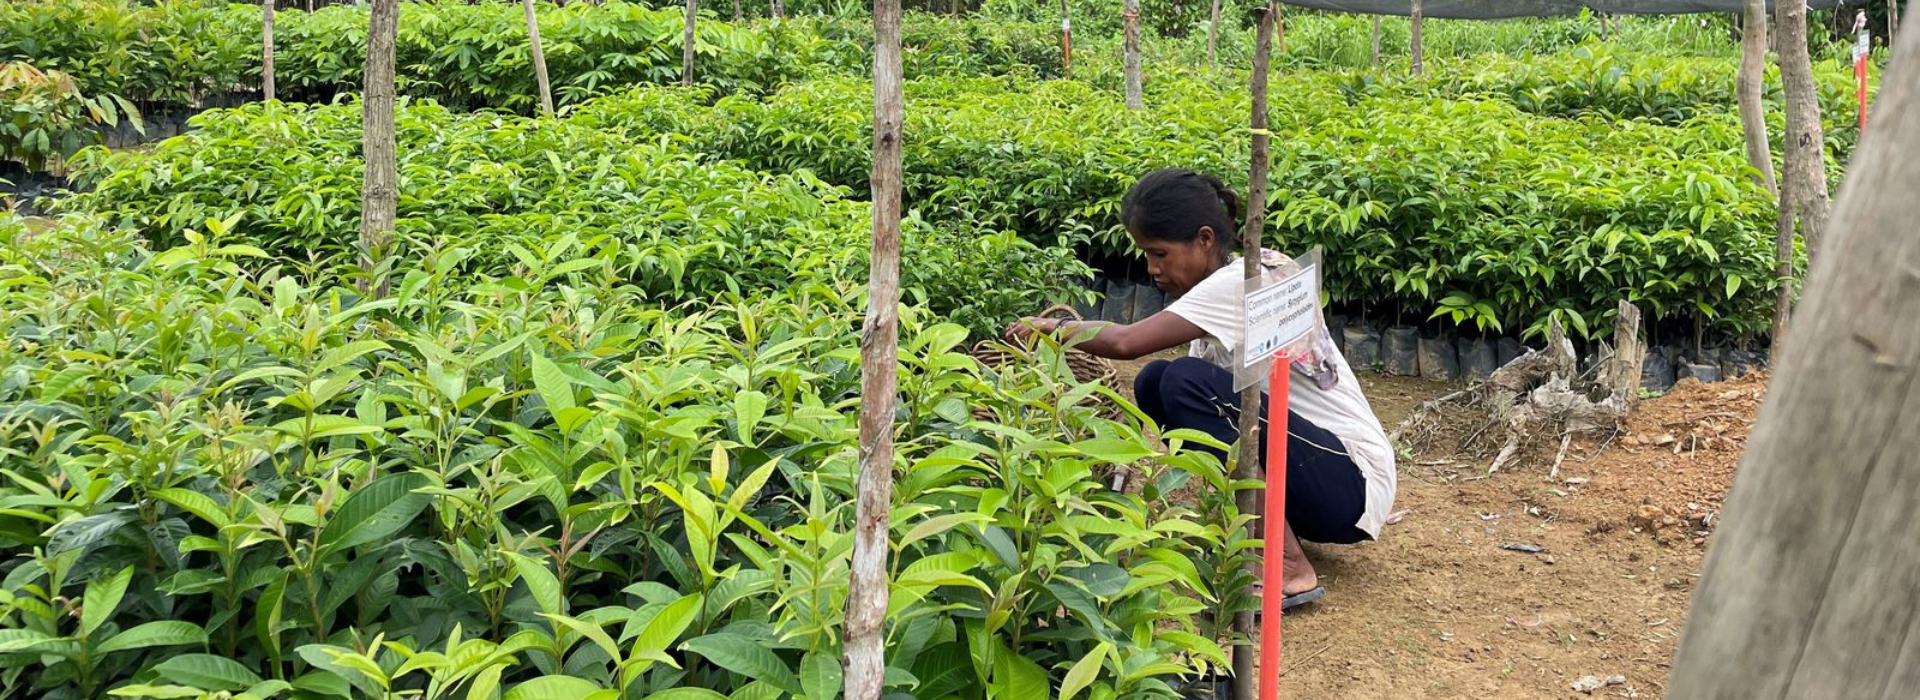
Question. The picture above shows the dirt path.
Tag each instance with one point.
(1436, 609)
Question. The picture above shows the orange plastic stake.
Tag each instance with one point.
(1273, 575)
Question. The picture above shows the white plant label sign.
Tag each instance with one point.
(1279, 312)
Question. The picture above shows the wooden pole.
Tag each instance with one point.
(380, 188)
(1376, 41)
(1279, 27)
(866, 615)
(1419, 66)
(778, 8)
(1213, 31)
(1808, 589)
(1893, 20)
(1783, 271)
(1748, 85)
(266, 50)
(1131, 15)
(1804, 155)
(1246, 466)
(539, 59)
(686, 45)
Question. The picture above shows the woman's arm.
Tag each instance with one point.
(1115, 341)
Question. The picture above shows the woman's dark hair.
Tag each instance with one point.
(1171, 204)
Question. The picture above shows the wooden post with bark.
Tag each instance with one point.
(866, 614)
(380, 188)
(1418, 63)
(1131, 17)
(1248, 462)
(1749, 86)
(1376, 41)
(266, 50)
(1279, 27)
(686, 45)
(539, 59)
(1893, 21)
(1808, 588)
(778, 8)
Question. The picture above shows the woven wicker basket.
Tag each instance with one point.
(1085, 367)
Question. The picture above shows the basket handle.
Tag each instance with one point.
(1062, 308)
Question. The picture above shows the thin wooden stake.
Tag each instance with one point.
(1418, 64)
(539, 59)
(1213, 31)
(380, 188)
(266, 50)
(1249, 458)
(1131, 15)
(1376, 41)
(686, 50)
(865, 657)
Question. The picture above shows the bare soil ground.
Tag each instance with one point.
(1437, 609)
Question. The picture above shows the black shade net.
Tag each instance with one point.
(1503, 9)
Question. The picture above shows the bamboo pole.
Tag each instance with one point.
(380, 188)
(866, 613)
(1249, 457)
(539, 59)
(266, 50)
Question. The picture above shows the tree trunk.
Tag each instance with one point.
(866, 615)
(1376, 41)
(266, 50)
(1893, 20)
(1753, 68)
(686, 45)
(539, 59)
(380, 190)
(1213, 31)
(1419, 66)
(736, 10)
(1805, 150)
(1807, 592)
(1132, 17)
(778, 8)
(1246, 465)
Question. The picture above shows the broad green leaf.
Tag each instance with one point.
(687, 694)
(541, 582)
(155, 634)
(745, 656)
(207, 671)
(553, 688)
(748, 408)
(375, 512)
(486, 684)
(666, 627)
(1084, 671)
(1103, 580)
(102, 597)
(200, 505)
(1114, 450)
(555, 389)
(1016, 677)
(17, 640)
(820, 675)
(157, 692)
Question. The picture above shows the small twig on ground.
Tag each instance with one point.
(1290, 667)
(1565, 440)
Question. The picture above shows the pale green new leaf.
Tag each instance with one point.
(102, 597)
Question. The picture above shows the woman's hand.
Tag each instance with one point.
(1026, 328)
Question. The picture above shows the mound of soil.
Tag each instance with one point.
(1675, 460)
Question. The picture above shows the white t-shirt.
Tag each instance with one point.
(1216, 306)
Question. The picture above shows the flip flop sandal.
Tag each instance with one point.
(1299, 599)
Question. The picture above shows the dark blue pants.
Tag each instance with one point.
(1326, 493)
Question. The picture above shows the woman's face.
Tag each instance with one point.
(1177, 266)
